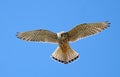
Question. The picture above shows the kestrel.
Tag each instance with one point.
(64, 53)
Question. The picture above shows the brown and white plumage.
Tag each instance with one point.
(64, 53)
(86, 29)
(38, 36)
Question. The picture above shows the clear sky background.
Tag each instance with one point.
(100, 54)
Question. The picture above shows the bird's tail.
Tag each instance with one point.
(65, 57)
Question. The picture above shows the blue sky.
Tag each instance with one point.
(99, 53)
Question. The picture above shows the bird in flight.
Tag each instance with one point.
(64, 53)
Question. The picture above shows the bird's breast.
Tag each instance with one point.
(64, 44)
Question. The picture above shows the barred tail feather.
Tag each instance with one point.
(65, 57)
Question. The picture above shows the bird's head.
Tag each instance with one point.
(62, 35)
(59, 34)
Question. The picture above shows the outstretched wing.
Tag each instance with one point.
(86, 29)
(38, 36)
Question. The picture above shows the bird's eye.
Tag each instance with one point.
(62, 35)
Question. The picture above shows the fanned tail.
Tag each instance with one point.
(65, 57)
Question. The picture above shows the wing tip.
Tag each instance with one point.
(17, 34)
(107, 23)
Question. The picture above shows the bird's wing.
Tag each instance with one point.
(38, 36)
(86, 29)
